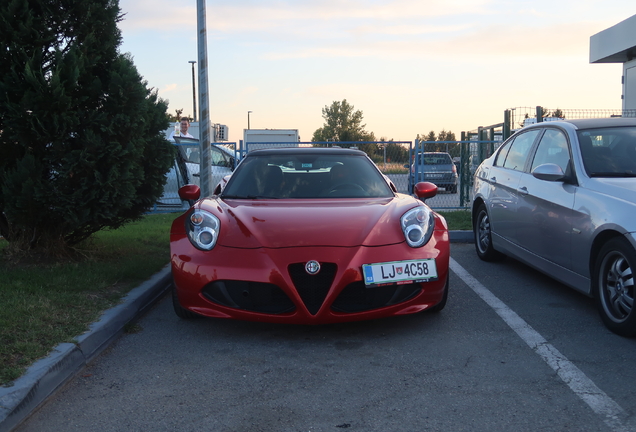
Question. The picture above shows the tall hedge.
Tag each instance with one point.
(81, 133)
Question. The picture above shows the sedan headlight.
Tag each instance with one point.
(203, 229)
(417, 226)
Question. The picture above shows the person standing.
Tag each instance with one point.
(183, 128)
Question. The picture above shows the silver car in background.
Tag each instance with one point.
(561, 197)
(185, 170)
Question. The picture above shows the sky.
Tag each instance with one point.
(411, 66)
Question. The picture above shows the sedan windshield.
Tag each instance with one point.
(306, 175)
(609, 152)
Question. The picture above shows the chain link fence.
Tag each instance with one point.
(395, 159)
(185, 170)
(524, 116)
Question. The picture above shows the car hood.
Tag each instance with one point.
(310, 223)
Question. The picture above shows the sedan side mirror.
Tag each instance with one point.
(549, 172)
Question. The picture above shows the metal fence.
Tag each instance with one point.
(516, 118)
(466, 156)
(395, 159)
(185, 170)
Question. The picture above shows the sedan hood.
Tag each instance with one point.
(308, 223)
(619, 188)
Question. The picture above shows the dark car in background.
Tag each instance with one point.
(561, 197)
(434, 167)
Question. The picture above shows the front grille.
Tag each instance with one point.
(313, 289)
(250, 296)
(356, 297)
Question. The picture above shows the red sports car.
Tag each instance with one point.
(308, 236)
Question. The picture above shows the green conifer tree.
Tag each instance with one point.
(81, 134)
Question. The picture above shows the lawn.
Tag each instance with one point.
(457, 219)
(42, 306)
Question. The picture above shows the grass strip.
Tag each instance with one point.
(457, 219)
(42, 305)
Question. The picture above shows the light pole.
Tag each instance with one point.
(204, 103)
(194, 93)
(248, 119)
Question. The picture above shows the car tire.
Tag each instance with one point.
(442, 304)
(181, 312)
(453, 189)
(483, 236)
(613, 286)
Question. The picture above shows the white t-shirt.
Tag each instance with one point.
(186, 135)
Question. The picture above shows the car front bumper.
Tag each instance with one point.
(271, 284)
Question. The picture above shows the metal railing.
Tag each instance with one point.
(393, 158)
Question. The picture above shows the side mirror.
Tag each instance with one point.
(425, 190)
(189, 192)
(549, 172)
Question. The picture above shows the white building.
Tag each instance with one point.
(617, 44)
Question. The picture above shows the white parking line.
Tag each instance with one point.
(578, 382)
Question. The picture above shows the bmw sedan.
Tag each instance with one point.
(561, 197)
(308, 236)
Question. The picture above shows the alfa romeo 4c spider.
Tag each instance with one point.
(308, 236)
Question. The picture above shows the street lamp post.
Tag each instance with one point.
(248, 119)
(205, 177)
(194, 93)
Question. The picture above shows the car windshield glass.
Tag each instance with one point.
(442, 159)
(191, 154)
(609, 152)
(307, 175)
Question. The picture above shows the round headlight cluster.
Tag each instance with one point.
(417, 226)
(203, 229)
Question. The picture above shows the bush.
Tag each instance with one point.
(81, 134)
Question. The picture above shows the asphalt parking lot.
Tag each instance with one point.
(513, 350)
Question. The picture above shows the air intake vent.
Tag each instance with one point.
(313, 288)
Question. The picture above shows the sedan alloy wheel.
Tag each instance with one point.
(615, 286)
(483, 236)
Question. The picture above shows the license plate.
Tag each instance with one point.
(435, 176)
(397, 272)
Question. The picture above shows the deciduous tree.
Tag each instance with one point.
(342, 123)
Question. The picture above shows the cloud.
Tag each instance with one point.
(456, 43)
(238, 16)
(169, 88)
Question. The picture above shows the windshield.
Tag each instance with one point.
(435, 159)
(306, 175)
(609, 152)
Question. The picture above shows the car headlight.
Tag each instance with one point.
(203, 229)
(417, 226)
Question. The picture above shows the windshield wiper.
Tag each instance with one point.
(248, 197)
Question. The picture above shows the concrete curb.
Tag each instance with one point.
(45, 376)
(461, 236)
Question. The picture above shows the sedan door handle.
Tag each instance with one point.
(523, 190)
